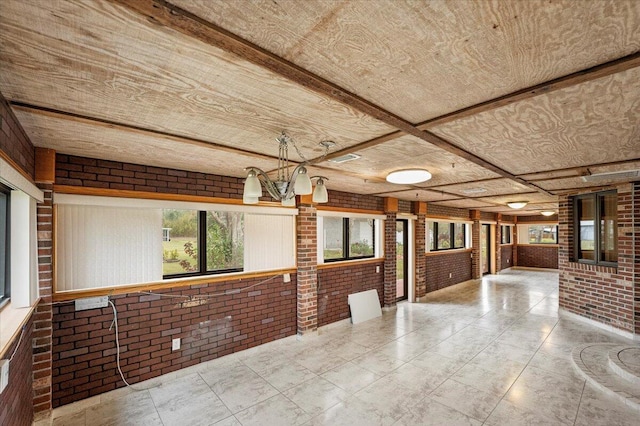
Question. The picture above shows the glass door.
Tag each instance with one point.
(402, 258)
(485, 248)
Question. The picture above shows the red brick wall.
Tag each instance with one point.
(336, 283)
(537, 256)
(390, 260)
(307, 262)
(440, 265)
(405, 206)
(603, 294)
(435, 210)
(354, 201)
(506, 259)
(421, 244)
(16, 408)
(81, 171)
(14, 141)
(487, 216)
(84, 357)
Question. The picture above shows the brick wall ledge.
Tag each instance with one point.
(174, 283)
(451, 251)
(564, 313)
(591, 267)
(11, 322)
(342, 263)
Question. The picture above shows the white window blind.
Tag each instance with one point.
(101, 246)
(269, 242)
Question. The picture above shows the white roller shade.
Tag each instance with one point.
(269, 242)
(107, 246)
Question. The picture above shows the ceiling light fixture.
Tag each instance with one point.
(408, 176)
(547, 213)
(286, 185)
(517, 204)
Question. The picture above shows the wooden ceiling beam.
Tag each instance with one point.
(161, 12)
(580, 170)
(50, 112)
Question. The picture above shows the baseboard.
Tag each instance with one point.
(611, 329)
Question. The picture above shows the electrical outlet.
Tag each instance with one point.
(175, 344)
(4, 374)
(377, 269)
(286, 278)
(450, 275)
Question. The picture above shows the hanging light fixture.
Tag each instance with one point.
(517, 204)
(286, 185)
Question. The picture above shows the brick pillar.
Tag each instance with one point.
(420, 210)
(475, 245)
(514, 255)
(307, 261)
(42, 328)
(635, 203)
(391, 210)
(498, 253)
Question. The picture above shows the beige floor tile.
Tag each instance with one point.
(277, 410)
(316, 395)
(469, 401)
(432, 413)
(351, 377)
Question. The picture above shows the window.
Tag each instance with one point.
(596, 244)
(542, 234)
(348, 238)
(5, 281)
(505, 234)
(446, 235)
(202, 242)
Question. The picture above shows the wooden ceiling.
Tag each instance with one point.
(500, 100)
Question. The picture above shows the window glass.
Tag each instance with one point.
(586, 220)
(444, 235)
(360, 237)
(608, 227)
(430, 236)
(458, 230)
(225, 240)
(333, 238)
(505, 234)
(543, 234)
(180, 241)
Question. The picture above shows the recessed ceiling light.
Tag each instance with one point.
(547, 213)
(473, 191)
(408, 176)
(517, 204)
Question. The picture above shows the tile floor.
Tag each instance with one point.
(491, 353)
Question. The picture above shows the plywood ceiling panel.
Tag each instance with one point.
(465, 204)
(108, 143)
(416, 194)
(591, 123)
(453, 54)
(492, 187)
(532, 198)
(100, 60)
(410, 152)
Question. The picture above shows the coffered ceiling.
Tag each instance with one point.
(500, 100)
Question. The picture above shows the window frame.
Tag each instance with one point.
(452, 237)
(508, 234)
(346, 244)
(202, 253)
(595, 196)
(5, 253)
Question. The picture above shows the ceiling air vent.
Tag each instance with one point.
(625, 174)
(345, 158)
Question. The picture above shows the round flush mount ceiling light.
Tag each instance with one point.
(517, 204)
(408, 176)
(547, 213)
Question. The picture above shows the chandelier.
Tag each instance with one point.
(287, 184)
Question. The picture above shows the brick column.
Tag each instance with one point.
(635, 203)
(514, 234)
(307, 261)
(391, 210)
(420, 210)
(45, 160)
(476, 273)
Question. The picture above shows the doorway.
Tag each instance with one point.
(485, 248)
(402, 259)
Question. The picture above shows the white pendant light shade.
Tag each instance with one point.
(252, 188)
(303, 183)
(250, 200)
(320, 194)
(291, 202)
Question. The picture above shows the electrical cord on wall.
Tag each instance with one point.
(18, 345)
(114, 324)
